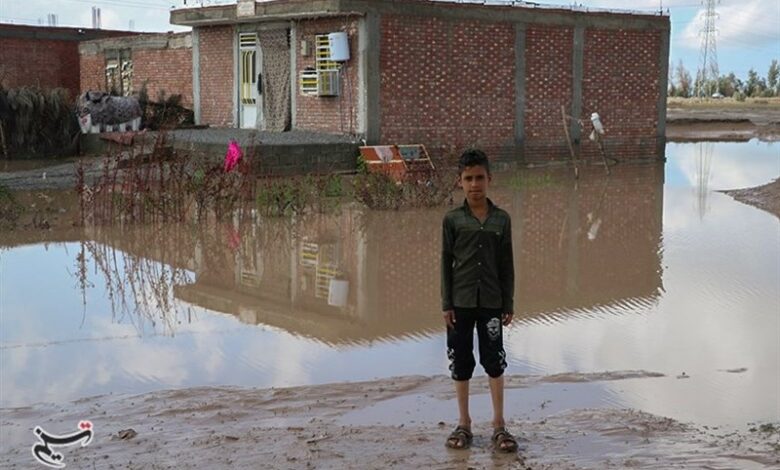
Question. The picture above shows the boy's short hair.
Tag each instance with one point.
(473, 157)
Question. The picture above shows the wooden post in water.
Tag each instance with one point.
(568, 141)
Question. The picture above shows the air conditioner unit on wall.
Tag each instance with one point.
(328, 82)
(309, 82)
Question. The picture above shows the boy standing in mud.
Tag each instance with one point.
(477, 289)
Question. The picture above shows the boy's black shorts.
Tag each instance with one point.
(460, 342)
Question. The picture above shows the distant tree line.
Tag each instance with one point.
(682, 85)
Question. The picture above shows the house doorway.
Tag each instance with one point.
(250, 83)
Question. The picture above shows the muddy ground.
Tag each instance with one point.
(766, 197)
(336, 426)
(687, 121)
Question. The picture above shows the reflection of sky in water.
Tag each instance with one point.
(719, 310)
(733, 165)
(48, 355)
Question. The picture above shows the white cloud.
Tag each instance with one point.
(747, 24)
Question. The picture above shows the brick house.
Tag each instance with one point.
(47, 57)
(499, 76)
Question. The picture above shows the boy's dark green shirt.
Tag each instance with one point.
(476, 260)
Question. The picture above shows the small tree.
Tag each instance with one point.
(772, 77)
(753, 85)
(729, 84)
(683, 78)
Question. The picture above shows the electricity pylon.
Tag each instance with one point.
(708, 62)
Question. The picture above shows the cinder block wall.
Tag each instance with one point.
(620, 81)
(47, 57)
(162, 61)
(548, 84)
(327, 114)
(216, 75)
(168, 70)
(92, 71)
(43, 63)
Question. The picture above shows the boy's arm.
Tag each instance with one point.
(447, 241)
(506, 270)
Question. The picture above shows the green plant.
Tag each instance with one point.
(377, 191)
(165, 113)
(283, 196)
(528, 180)
(333, 186)
(360, 165)
(10, 209)
(164, 186)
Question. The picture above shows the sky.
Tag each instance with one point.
(748, 30)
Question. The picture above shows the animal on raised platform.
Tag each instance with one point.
(98, 111)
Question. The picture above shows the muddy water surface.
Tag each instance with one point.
(648, 269)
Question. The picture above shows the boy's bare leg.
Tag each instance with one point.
(497, 397)
(462, 392)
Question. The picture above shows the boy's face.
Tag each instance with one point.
(475, 180)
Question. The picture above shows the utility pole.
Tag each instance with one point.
(708, 62)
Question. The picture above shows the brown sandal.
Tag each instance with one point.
(460, 438)
(504, 441)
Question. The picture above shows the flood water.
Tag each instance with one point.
(648, 269)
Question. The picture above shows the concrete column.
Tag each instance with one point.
(576, 85)
(361, 75)
(370, 76)
(235, 77)
(519, 83)
(196, 74)
(294, 45)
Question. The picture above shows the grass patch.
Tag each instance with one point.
(10, 209)
(710, 103)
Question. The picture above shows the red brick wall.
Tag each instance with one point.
(168, 70)
(451, 84)
(328, 114)
(92, 72)
(548, 86)
(38, 62)
(447, 84)
(216, 75)
(620, 81)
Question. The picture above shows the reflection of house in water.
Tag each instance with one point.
(328, 277)
(363, 276)
(594, 245)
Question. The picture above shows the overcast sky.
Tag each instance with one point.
(748, 30)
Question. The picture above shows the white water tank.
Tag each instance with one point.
(338, 292)
(339, 46)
